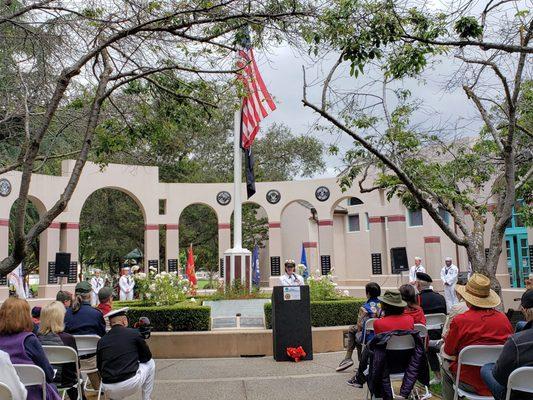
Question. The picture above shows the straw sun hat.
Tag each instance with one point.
(477, 292)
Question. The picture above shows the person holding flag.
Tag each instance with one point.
(189, 270)
(256, 274)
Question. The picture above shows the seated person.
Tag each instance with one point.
(371, 309)
(51, 334)
(291, 278)
(82, 318)
(393, 319)
(408, 293)
(124, 360)
(105, 299)
(64, 297)
(430, 301)
(481, 324)
(10, 378)
(23, 347)
(517, 352)
(35, 317)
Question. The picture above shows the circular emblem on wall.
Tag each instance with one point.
(223, 198)
(273, 196)
(5, 187)
(322, 193)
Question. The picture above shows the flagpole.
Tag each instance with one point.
(237, 181)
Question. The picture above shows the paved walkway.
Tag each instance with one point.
(253, 379)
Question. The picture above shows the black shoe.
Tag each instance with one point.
(353, 382)
(345, 364)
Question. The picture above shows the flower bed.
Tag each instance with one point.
(327, 312)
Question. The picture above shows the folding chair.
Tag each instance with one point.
(31, 375)
(86, 345)
(477, 356)
(58, 355)
(435, 321)
(5, 392)
(521, 379)
(369, 326)
(422, 330)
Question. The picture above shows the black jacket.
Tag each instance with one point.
(432, 302)
(119, 353)
(517, 352)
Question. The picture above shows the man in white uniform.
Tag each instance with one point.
(418, 267)
(126, 284)
(290, 278)
(97, 283)
(448, 274)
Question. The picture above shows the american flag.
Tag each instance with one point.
(257, 102)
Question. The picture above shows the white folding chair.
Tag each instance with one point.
(422, 330)
(5, 392)
(477, 356)
(31, 375)
(59, 355)
(369, 326)
(435, 321)
(87, 345)
(521, 379)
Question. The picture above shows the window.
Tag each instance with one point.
(353, 223)
(415, 217)
(445, 215)
(354, 201)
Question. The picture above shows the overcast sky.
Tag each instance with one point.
(281, 69)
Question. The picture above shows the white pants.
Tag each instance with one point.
(143, 380)
(94, 299)
(449, 295)
(126, 296)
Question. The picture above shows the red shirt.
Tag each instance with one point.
(393, 323)
(104, 307)
(417, 314)
(476, 326)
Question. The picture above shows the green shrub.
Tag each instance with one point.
(180, 317)
(327, 313)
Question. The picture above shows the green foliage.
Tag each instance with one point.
(327, 313)
(237, 292)
(177, 318)
(468, 27)
(323, 288)
(164, 288)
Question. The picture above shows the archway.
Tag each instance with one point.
(255, 234)
(300, 229)
(112, 225)
(198, 225)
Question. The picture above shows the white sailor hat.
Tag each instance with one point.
(117, 313)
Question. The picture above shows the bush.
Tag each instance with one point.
(327, 313)
(180, 317)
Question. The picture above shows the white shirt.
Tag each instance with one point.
(10, 377)
(97, 284)
(413, 270)
(126, 283)
(449, 274)
(291, 280)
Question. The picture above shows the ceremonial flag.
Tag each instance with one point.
(256, 104)
(191, 274)
(256, 274)
(303, 260)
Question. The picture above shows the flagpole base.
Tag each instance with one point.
(238, 268)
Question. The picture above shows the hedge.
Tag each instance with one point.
(173, 318)
(327, 313)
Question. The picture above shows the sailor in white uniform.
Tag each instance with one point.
(448, 274)
(418, 267)
(97, 283)
(126, 284)
(291, 278)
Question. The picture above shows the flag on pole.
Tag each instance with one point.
(256, 274)
(256, 104)
(191, 274)
(303, 261)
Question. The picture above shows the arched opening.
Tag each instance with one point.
(29, 269)
(111, 230)
(349, 212)
(299, 230)
(255, 234)
(198, 226)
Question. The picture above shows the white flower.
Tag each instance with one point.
(148, 295)
(152, 287)
(152, 268)
(346, 292)
(164, 273)
(332, 270)
(141, 275)
(193, 300)
(174, 273)
(317, 271)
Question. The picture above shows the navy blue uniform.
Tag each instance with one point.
(86, 321)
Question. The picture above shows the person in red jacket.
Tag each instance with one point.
(481, 324)
(408, 293)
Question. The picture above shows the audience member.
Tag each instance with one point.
(10, 378)
(371, 309)
(81, 318)
(517, 352)
(430, 301)
(481, 324)
(23, 347)
(124, 360)
(408, 293)
(105, 300)
(51, 332)
(64, 297)
(393, 319)
(35, 317)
